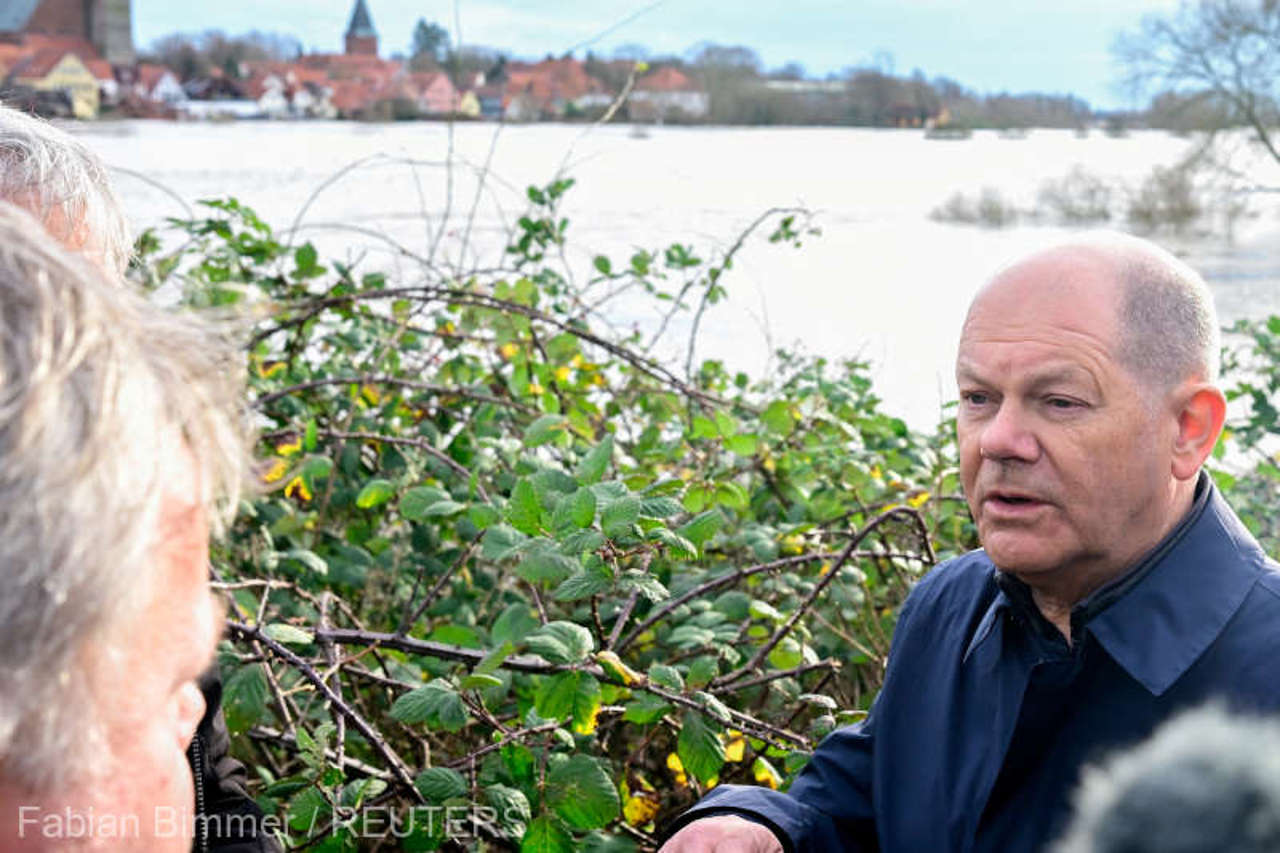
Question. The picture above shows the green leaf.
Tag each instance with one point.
(699, 748)
(544, 563)
(617, 516)
(501, 542)
(575, 510)
(645, 708)
(666, 676)
(702, 670)
(437, 704)
(593, 581)
(646, 584)
(316, 468)
(482, 515)
(571, 694)
(701, 527)
(594, 464)
(678, 548)
(545, 429)
(546, 835)
(602, 265)
(777, 417)
(524, 512)
(786, 654)
(307, 559)
(517, 621)
(582, 793)
(661, 507)
(703, 427)
(414, 502)
(288, 634)
(561, 642)
(481, 681)
(581, 541)
(438, 784)
(742, 445)
(307, 811)
(732, 495)
(512, 807)
(375, 493)
(442, 509)
(244, 697)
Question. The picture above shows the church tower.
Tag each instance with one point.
(107, 24)
(362, 38)
(111, 30)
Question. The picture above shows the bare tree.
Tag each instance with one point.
(1223, 51)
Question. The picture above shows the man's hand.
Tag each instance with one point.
(723, 834)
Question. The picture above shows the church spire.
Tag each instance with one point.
(361, 36)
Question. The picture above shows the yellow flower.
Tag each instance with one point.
(876, 474)
(297, 488)
(508, 351)
(288, 448)
(677, 767)
(276, 472)
(919, 500)
(735, 746)
(535, 388)
(769, 465)
(640, 809)
(826, 567)
(448, 328)
(562, 374)
(576, 361)
(370, 394)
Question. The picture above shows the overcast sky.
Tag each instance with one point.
(989, 45)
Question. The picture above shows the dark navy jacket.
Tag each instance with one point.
(977, 739)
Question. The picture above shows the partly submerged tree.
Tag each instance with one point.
(1223, 54)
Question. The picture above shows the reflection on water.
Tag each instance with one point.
(882, 282)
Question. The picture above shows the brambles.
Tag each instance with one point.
(504, 561)
(508, 565)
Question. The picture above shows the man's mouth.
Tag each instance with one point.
(1012, 504)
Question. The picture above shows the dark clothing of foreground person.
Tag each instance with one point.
(987, 715)
(227, 818)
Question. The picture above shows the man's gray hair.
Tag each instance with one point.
(95, 384)
(1167, 318)
(1206, 781)
(54, 175)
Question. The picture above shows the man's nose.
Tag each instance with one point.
(1008, 437)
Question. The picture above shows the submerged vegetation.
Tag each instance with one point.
(505, 562)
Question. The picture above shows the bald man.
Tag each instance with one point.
(1114, 588)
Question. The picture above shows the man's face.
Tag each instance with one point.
(1065, 465)
(149, 698)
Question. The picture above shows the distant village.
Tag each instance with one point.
(74, 58)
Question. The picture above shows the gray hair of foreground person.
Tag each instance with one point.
(95, 383)
(1206, 781)
(55, 176)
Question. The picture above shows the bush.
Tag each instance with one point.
(504, 560)
(1167, 198)
(1077, 198)
(989, 209)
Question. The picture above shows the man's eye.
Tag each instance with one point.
(975, 398)
(1062, 403)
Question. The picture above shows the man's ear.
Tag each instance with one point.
(1201, 414)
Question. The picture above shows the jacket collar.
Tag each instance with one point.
(1158, 618)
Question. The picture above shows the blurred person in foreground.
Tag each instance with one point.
(1114, 588)
(1207, 782)
(66, 187)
